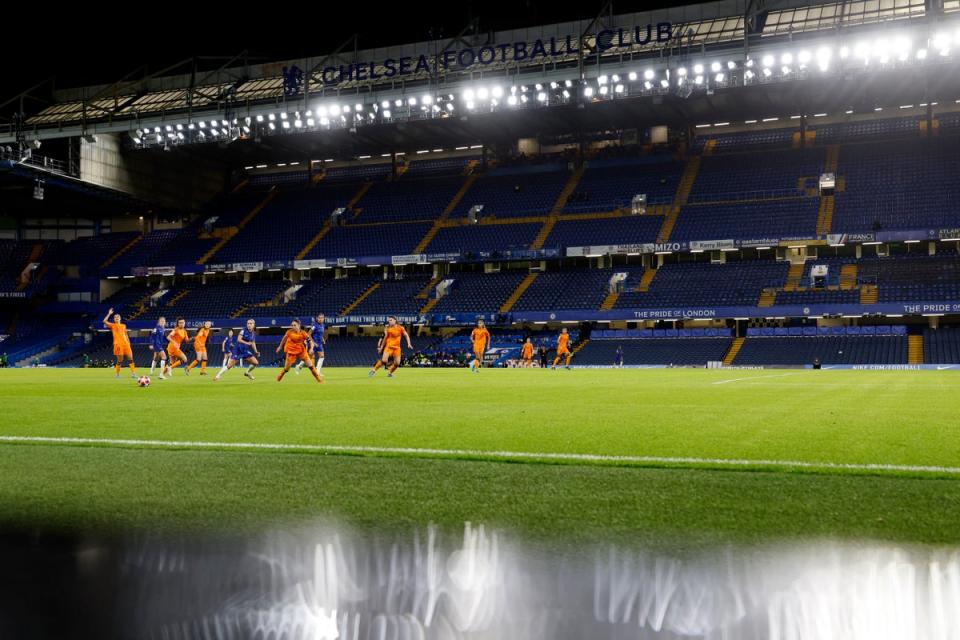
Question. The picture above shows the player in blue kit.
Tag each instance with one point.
(158, 346)
(245, 351)
(317, 331)
(229, 348)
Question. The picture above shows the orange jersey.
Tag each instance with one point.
(480, 338)
(200, 340)
(177, 336)
(563, 341)
(527, 352)
(296, 342)
(393, 336)
(119, 331)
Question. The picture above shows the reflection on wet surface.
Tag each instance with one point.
(326, 582)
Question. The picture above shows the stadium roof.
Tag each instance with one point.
(731, 29)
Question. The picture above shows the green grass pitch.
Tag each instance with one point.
(676, 457)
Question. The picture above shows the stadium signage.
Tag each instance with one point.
(168, 270)
(657, 314)
(610, 249)
(309, 264)
(13, 294)
(712, 245)
(759, 242)
(541, 50)
(414, 258)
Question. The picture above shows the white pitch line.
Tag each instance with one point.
(479, 453)
(778, 375)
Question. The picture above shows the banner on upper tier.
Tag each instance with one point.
(414, 258)
(892, 367)
(712, 245)
(626, 249)
(309, 264)
(465, 58)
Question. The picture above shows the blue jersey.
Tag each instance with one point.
(317, 334)
(158, 339)
(245, 350)
(230, 345)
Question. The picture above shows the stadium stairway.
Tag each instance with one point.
(363, 296)
(240, 225)
(732, 352)
(519, 291)
(610, 301)
(768, 297)
(357, 197)
(325, 229)
(35, 254)
(848, 277)
(825, 215)
(868, 294)
(558, 206)
(140, 306)
(646, 280)
(451, 207)
(579, 346)
(425, 292)
(125, 248)
(915, 349)
(794, 275)
(683, 194)
(173, 301)
(431, 303)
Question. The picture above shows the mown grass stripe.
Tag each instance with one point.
(489, 455)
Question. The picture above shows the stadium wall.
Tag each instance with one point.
(170, 179)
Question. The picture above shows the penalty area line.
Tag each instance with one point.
(693, 462)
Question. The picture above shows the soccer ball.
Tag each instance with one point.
(143, 381)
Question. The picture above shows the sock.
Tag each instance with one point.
(393, 367)
(153, 363)
(116, 368)
(251, 368)
(283, 372)
(133, 368)
(316, 374)
(319, 363)
(377, 365)
(193, 364)
(568, 360)
(556, 361)
(174, 363)
(223, 369)
(203, 367)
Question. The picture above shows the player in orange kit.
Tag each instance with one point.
(480, 338)
(121, 343)
(526, 354)
(200, 347)
(175, 340)
(563, 348)
(297, 345)
(389, 346)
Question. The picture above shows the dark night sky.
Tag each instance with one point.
(99, 43)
